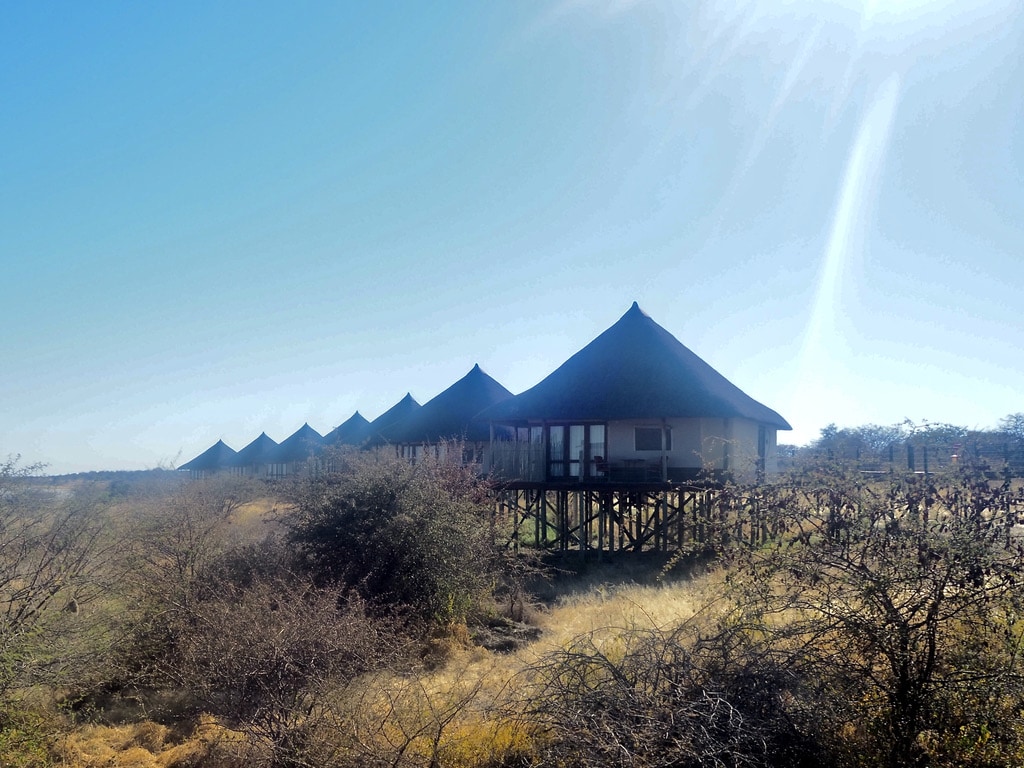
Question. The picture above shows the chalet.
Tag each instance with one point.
(212, 460)
(255, 459)
(294, 451)
(353, 431)
(449, 417)
(634, 405)
(393, 415)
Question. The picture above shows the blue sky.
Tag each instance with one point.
(218, 219)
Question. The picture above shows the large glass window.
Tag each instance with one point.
(575, 449)
(596, 453)
(576, 433)
(556, 446)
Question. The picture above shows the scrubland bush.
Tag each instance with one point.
(872, 621)
(55, 564)
(270, 658)
(176, 537)
(898, 601)
(413, 538)
(649, 696)
(880, 626)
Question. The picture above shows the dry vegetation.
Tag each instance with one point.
(333, 622)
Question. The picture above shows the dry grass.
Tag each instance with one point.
(255, 520)
(479, 690)
(459, 711)
(608, 605)
(151, 745)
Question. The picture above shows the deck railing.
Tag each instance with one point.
(518, 461)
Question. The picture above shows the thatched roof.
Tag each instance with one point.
(634, 370)
(353, 431)
(452, 414)
(217, 456)
(259, 451)
(400, 410)
(298, 446)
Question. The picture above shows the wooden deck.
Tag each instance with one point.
(604, 516)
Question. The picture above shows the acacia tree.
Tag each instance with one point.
(899, 603)
(51, 558)
(1013, 426)
(180, 534)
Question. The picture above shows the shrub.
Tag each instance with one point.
(53, 558)
(660, 697)
(897, 604)
(414, 538)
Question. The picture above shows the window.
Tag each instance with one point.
(556, 446)
(649, 438)
(572, 448)
(576, 432)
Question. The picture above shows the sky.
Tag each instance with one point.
(219, 219)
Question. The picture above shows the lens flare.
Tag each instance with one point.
(857, 194)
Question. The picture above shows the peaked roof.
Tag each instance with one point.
(259, 451)
(298, 446)
(353, 431)
(400, 410)
(451, 414)
(634, 370)
(218, 455)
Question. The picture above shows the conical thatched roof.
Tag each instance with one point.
(452, 414)
(259, 451)
(400, 410)
(217, 456)
(298, 446)
(634, 370)
(353, 431)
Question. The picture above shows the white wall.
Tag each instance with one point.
(711, 443)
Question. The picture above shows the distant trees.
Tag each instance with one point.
(919, 446)
(1013, 427)
(869, 438)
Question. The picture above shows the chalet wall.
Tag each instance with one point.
(743, 449)
(709, 443)
(686, 441)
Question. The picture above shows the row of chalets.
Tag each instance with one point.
(634, 400)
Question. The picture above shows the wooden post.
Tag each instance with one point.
(539, 534)
(515, 521)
